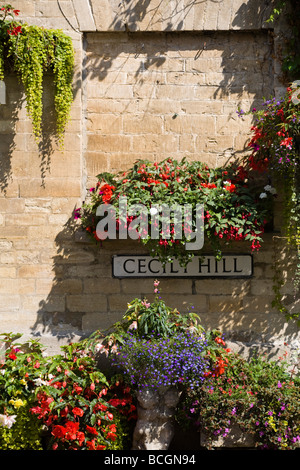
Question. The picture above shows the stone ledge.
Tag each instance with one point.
(84, 15)
(133, 15)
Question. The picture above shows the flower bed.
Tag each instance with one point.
(252, 403)
(68, 403)
(155, 345)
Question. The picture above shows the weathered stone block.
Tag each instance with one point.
(87, 303)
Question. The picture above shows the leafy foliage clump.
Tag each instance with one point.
(31, 52)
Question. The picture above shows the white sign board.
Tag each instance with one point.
(233, 266)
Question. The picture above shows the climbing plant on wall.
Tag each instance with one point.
(290, 10)
(32, 51)
(274, 148)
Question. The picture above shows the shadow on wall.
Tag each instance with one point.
(54, 316)
(174, 81)
(131, 13)
(225, 68)
(84, 297)
(154, 15)
(9, 116)
(256, 58)
(179, 14)
(16, 131)
(251, 13)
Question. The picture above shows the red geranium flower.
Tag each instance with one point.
(287, 141)
(15, 31)
(231, 188)
(77, 389)
(107, 192)
(80, 437)
(12, 355)
(92, 430)
(113, 428)
(91, 445)
(58, 431)
(208, 185)
(77, 411)
(71, 430)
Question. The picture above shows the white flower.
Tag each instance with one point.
(269, 188)
(263, 195)
(98, 347)
(153, 210)
(102, 349)
(38, 382)
(7, 421)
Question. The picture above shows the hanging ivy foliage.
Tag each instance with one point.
(32, 51)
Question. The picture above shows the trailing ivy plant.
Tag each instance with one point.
(32, 51)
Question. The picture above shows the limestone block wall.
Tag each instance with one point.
(174, 94)
(40, 185)
(152, 80)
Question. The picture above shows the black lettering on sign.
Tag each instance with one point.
(142, 265)
(150, 266)
(234, 266)
(207, 265)
(224, 266)
(125, 266)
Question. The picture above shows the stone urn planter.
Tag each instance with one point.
(154, 429)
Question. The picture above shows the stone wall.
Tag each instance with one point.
(152, 79)
(174, 94)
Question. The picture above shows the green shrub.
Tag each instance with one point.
(260, 396)
(25, 434)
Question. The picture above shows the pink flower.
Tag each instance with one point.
(133, 326)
